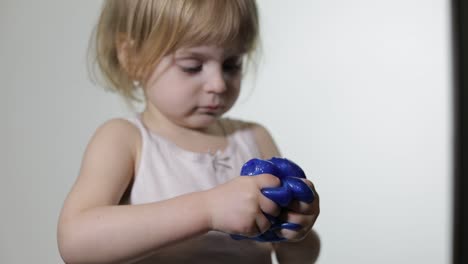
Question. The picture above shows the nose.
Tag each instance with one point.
(216, 83)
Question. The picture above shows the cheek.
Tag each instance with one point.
(234, 94)
(171, 99)
(170, 90)
(235, 89)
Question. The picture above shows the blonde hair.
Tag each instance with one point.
(152, 29)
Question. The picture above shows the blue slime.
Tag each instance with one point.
(292, 188)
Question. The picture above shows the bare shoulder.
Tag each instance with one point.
(116, 134)
(262, 136)
(115, 144)
(118, 128)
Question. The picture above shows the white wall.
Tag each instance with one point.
(356, 92)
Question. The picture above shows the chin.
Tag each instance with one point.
(203, 121)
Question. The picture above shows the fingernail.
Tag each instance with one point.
(291, 226)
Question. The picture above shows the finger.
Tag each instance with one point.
(305, 221)
(267, 181)
(311, 186)
(316, 202)
(280, 195)
(302, 208)
(293, 217)
(262, 223)
(268, 206)
(300, 189)
(291, 235)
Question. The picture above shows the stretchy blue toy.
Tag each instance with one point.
(292, 188)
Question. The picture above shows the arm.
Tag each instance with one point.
(305, 245)
(93, 228)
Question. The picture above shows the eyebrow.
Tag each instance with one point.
(190, 55)
(187, 54)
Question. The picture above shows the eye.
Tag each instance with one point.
(192, 70)
(232, 65)
(190, 65)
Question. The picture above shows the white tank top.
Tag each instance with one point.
(166, 170)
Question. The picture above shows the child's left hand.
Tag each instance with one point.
(300, 213)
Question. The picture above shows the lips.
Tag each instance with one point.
(211, 109)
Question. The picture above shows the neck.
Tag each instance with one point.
(211, 138)
(158, 122)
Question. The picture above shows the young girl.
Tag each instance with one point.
(163, 187)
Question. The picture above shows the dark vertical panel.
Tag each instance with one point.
(460, 62)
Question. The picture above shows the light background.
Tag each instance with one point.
(356, 92)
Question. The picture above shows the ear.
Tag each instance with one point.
(126, 54)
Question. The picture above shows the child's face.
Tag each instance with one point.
(195, 86)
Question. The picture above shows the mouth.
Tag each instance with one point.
(211, 109)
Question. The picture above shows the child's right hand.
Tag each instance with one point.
(237, 206)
